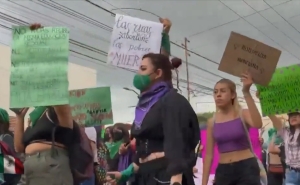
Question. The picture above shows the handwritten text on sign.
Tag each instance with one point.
(247, 54)
(91, 107)
(39, 67)
(131, 39)
(282, 95)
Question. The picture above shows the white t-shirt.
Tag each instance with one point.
(92, 135)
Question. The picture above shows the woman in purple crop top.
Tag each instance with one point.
(237, 164)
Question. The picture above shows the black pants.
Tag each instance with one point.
(245, 172)
(154, 173)
(275, 178)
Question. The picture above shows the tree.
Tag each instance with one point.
(203, 117)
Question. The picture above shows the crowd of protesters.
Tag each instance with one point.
(160, 148)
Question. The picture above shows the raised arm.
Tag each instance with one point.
(209, 152)
(64, 115)
(19, 131)
(277, 123)
(272, 147)
(165, 42)
(252, 116)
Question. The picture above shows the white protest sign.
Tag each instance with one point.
(131, 39)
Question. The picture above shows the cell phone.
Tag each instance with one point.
(16, 110)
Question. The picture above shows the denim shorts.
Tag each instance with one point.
(292, 177)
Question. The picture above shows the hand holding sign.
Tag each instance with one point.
(166, 23)
(246, 79)
(35, 26)
(245, 53)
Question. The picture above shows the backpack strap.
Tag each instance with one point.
(246, 130)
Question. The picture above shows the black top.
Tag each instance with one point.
(170, 126)
(42, 130)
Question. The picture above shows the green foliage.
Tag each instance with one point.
(203, 117)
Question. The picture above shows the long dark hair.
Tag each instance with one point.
(160, 61)
(292, 133)
(124, 130)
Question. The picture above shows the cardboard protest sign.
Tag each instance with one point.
(92, 107)
(254, 137)
(39, 67)
(131, 39)
(243, 53)
(282, 95)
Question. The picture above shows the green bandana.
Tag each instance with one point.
(113, 148)
(36, 114)
(4, 117)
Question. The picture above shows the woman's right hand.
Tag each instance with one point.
(22, 113)
(112, 177)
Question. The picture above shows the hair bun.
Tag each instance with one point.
(176, 62)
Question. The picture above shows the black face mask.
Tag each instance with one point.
(117, 136)
(106, 137)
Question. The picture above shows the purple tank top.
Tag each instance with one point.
(230, 136)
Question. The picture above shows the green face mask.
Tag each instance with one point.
(141, 81)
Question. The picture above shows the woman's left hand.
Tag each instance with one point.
(166, 23)
(123, 149)
(35, 26)
(246, 79)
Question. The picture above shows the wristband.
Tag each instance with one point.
(126, 174)
(165, 42)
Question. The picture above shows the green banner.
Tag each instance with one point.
(282, 95)
(39, 67)
(92, 107)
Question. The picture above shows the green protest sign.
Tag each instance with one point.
(39, 67)
(92, 107)
(282, 95)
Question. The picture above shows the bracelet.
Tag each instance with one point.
(165, 42)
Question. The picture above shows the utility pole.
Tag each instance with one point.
(187, 66)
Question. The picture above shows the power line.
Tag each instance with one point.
(258, 29)
(291, 39)
(73, 14)
(103, 26)
(178, 45)
(112, 13)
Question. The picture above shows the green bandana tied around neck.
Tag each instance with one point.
(36, 114)
(4, 116)
(113, 148)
